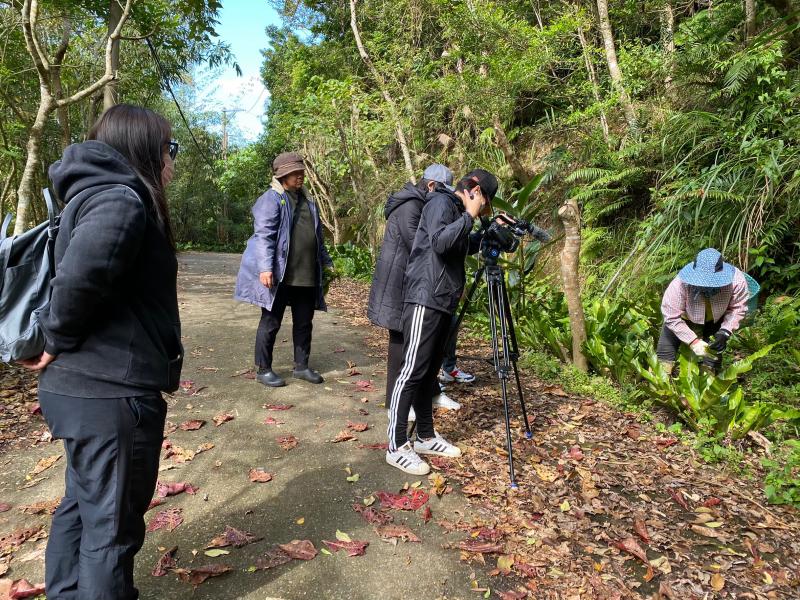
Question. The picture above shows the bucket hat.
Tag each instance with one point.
(287, 162)
(708, 270)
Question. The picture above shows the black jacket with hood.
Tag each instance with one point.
(435, 274)
(402, 214)
(112, 321)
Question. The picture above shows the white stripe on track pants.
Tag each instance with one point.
(425, 332)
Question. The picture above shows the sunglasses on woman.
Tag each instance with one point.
(173, 149)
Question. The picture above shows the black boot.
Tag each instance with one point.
(307, 374)
(269, 378)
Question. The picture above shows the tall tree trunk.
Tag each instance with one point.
(613, 67)
(668, 42)
(110, 90)
(48, 103)
(587, 59)
(570, 260)
(517, 169)
(327, 208)
(62, 112)
(401, 136)
(749, 19)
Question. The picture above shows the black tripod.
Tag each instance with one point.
(505, 351)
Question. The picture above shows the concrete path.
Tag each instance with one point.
(310, 483)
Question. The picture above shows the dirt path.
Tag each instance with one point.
(309, 485)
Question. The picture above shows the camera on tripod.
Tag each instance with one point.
(505, 236)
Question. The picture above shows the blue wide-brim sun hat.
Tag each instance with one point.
(708, 270)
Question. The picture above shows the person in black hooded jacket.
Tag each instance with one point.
(385, 308)
(434, 282)
(113, 345)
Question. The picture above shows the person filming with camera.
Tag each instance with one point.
(434, 282)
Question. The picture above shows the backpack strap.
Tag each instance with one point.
(52, 230)
(4, 227)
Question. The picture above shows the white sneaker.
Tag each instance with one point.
(405, 459)
(446, 402)
(456, 375)
(436, 445)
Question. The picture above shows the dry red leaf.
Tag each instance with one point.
(287, 442)
(278, 406)
(677, 495)
(343, 436)
(173, 489)
(427, 515)
(665, 442)
(357, 426)
(390, 532)
(382, 446)
(575, 453)
(232, 537)
(170, 428)
(259, 475)
(23, 589)
(353, 547)
(34, 408)
(167, 519)
(641, 530)
(365, 385)
(192, 425)
(165, 563)
(4, 507)
(299, 549)
(415, 500)
(372, 516)
(712, 502)
(273, 421)
(630, 546)
(222, 418)
(200, 574)
(512, 595)
(39, 508)
(19, 537)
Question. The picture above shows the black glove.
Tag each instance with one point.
(720, 340)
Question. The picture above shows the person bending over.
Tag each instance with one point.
(708, 299)
(435, 279)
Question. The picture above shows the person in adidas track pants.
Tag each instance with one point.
(434, 282)
(426, 331)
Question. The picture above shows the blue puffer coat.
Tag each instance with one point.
(268, 249)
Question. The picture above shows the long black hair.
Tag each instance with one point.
(142, 137)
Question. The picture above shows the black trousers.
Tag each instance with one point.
(112, 447)
(424, 333)
(394, 360)
(668, 342)
(303, 300)
(449, 362)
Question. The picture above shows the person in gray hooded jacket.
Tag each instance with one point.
(283, 265)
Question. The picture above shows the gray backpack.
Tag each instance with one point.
(27, 265)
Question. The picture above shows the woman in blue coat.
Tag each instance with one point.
(283, 265)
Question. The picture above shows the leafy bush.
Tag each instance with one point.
(712, 403)
(782, 481)
(352, 261)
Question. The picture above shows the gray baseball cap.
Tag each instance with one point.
(440, 174)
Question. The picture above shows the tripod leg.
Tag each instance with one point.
(514, 355)
(496, 312)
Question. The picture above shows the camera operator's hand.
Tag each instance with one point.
(474, 201)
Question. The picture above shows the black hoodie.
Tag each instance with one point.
(112, 321)
(402, 213)
(435, 274)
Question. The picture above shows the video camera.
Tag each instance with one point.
(505, 236)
